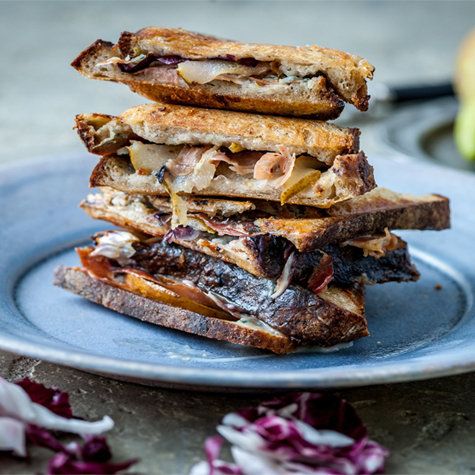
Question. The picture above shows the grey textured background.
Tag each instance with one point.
(429, 426)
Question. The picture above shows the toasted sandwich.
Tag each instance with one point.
(257, 289)
(237, 225)
(159, 149)
(261, 240)
(183, 289)
(178, 66)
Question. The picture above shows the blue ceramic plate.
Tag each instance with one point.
(416, 331)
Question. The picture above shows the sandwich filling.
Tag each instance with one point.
(192, 168)
(248, 73)
(182, 170)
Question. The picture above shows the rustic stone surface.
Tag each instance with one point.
(429, 426)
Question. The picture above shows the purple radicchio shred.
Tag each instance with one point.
(51, 398)
(90, 458)
(227, 57)
(42, 438)
(252, 62)
(184, 233)
(216, 466)
(64, 464)
(95, 449)
(136, 67)
(273, 433)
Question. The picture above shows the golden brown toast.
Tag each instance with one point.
(180, 125)
(313, 79)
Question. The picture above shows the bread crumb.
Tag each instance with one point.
(438, 287)
(378, 342)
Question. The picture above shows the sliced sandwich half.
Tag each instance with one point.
(263, 239)
(158, 149)
(178, 66)
(183, 289)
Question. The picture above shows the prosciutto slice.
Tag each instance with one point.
(242, 163)
(186, 160)
(267, 166)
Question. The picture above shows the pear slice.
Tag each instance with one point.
(464, 131)
(202, 72)
(303, 175)
(150, 158)
(161, 293)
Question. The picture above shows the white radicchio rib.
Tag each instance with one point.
(115, 245)
(285, 278)
(17, 410)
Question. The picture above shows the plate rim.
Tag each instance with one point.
(391, 372)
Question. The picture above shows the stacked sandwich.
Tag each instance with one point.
(238, 223)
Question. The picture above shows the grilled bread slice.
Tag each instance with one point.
(259, 244)
(157, 149)
(183, 125)
(177, 66)
(225, 292)
(147, 310)
(349, 177)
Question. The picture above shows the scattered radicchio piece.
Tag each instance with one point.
(51, 398)
(64, 464)
(300, 433)
(322, 274)
(212, 465)
(28, 409)
(185, 233)
(42, 438)
(95, 449)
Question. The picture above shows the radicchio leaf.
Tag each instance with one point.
(134, 66)
(51, 398)
(42, 438)
(15, 402)
(64, 464)
(322, 274)
(300, 433)
(185, 233)
(214, 466)
(95, 449)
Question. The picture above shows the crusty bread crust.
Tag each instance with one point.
(334, 316)
(79, 282)
(180, 125)
(315, 100)
(347, 73)
(325, 105)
